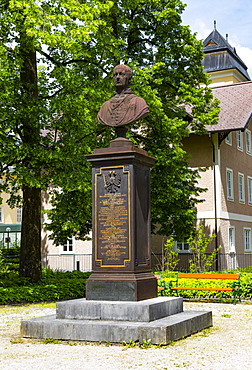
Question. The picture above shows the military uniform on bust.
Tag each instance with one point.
(124, 107)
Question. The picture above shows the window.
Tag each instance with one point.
(247, 240)
(239, 140)
(231, 239)
(250, 190)
(228, 139)
(68, 246)
(241, 187)
(19, 215)
(182, 247)
(1, 215)
(230, 191)
(248, 141)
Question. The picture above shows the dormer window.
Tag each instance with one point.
(211, 43)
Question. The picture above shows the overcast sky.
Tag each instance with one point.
(233, 17)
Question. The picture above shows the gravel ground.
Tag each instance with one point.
(226, 346)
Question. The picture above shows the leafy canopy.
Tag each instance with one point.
(48, 123)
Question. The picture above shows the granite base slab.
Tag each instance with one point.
(147, 310)
(74, 323)
(163, 330)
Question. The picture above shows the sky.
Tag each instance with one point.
(233, 17)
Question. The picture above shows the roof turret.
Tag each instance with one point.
(220, 55)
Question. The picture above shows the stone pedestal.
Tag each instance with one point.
(160, 320)
(121, 268)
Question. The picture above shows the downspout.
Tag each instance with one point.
(215, 205)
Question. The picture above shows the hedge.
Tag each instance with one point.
(54, 286)
(245, 290)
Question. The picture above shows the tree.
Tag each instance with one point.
(56, 59)
(39, 144)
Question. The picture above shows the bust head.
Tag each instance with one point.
(122, 75)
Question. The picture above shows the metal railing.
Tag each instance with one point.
(224, 261)
(68, 262)
(83, 261)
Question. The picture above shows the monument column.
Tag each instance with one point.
(121, 268)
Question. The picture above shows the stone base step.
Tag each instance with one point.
(163, 330)
(147, 310)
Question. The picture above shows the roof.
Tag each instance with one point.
(220, 55)
(235, 106)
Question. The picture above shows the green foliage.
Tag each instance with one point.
(146, 344)
(51, 341)
(171, 256)
(10, 258)
(3, 266)
(56, 60)
(245, 289)
(53, 286)
(199, 242)
(129, 344)
(245, 269)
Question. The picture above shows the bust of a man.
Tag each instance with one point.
(124, 107)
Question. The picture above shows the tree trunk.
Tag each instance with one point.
(30, 253)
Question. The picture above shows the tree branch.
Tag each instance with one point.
(71, 61)
(50, 96)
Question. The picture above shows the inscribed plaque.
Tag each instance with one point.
(112, 216)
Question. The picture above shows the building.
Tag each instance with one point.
(221, 61)
(226, 151)
(10, 224)
(73, 255)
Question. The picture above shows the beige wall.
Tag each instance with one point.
(48, 247)
(9, 214)
(227, 77)
(200, 149)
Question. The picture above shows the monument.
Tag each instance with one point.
(121, 204)
(121, 301)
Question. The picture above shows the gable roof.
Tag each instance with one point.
(235, 106)
(220, 55)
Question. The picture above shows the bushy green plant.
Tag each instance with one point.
(200, 261)
(3, 266)
(245, 269)
(55, 285)
(171, 256)
(245, 289)
(10, 259)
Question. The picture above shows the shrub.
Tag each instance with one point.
(200, 261)
(3, 266)
(172, 258)
(245, 291)
(55, 285)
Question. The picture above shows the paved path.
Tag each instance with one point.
(226, 346)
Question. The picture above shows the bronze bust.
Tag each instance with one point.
(124, 107)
